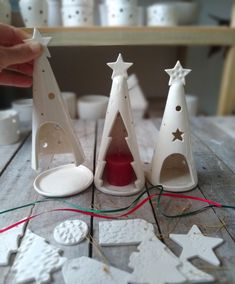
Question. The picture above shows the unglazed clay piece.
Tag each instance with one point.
(70, 232)
(124, 232)
(63, 181)
(85, 270)
(36, 259)
(153, 264)
(9, 242)
(196, 244)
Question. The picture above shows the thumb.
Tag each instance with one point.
(19, 53)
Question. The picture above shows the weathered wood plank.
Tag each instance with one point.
(119, 256)
(227, 125)
(45, 224)
(210, 184)
(7, 152)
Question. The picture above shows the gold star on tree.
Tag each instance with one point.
(178, 135)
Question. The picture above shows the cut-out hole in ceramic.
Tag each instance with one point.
(70, 232)
(63, 181)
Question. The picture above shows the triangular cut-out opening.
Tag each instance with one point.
(175, 172)
(52, 140)
(118, 170)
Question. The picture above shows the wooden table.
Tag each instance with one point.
(213, 141)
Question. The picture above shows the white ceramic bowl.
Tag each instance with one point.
(92, 106)
(9, 127)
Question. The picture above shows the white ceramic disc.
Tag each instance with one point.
(63, 181)
(70, 232)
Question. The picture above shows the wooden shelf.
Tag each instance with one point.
(107, 36)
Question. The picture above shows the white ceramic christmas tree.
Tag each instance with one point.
(119, 170)
(52, 128)
(173, 164)
(53, 133)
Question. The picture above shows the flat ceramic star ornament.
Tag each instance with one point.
(196, 244)
(177, 74)
(119, 67)
(37, 37)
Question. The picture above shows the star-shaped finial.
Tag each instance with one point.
(196, 244)
(37, 37)
(177, 74)
(119, 67)
(178, 135)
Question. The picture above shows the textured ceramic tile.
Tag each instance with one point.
(154, 264)
(196, 244)
(9, 242)
(70, 232)
(85, 270)
(36, 259)
(124, 232)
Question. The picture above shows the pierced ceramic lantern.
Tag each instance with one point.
(161, 14)
(5, 12)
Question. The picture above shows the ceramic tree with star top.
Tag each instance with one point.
(173, 165)
(119, 170)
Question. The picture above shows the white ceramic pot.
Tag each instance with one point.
(9, 127)
(54, 13)
(5, 12)
(34, 12)
(92, 106)
(119, 15)
(162, 14)
(70, 100)
(24, 108)
(73, 16)
(89, 3)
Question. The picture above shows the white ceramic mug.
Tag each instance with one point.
(92, 106)
(162, 14)
(34, 12)
(70, 100)
(9, 127)
(24, 108)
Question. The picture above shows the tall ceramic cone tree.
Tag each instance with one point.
(119, 134)
(52, 130)
(173, 164)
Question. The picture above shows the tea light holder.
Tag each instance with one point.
(70, 100)
(9, 127)
(24, 108)
(53, 133)
(54, 13)
(119, 170)
(122, 15)
(5, 12)
(73, 16)
(162, 14)
(173, 165)
(34, 12)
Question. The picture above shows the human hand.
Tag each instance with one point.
(16, 57)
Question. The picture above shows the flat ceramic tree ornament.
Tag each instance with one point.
(195, 244)
(119, 170)
(173, 165)
(53, 133)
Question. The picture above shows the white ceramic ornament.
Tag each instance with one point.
(36, 260)
(173, 165)
(119, 145)
(153, 264)
(9, 127)
(9, 242)
(70, 232)
(195, 244)
(52, 131)
(85, 270)
(124, 232)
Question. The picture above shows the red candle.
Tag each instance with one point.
(119, 171)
